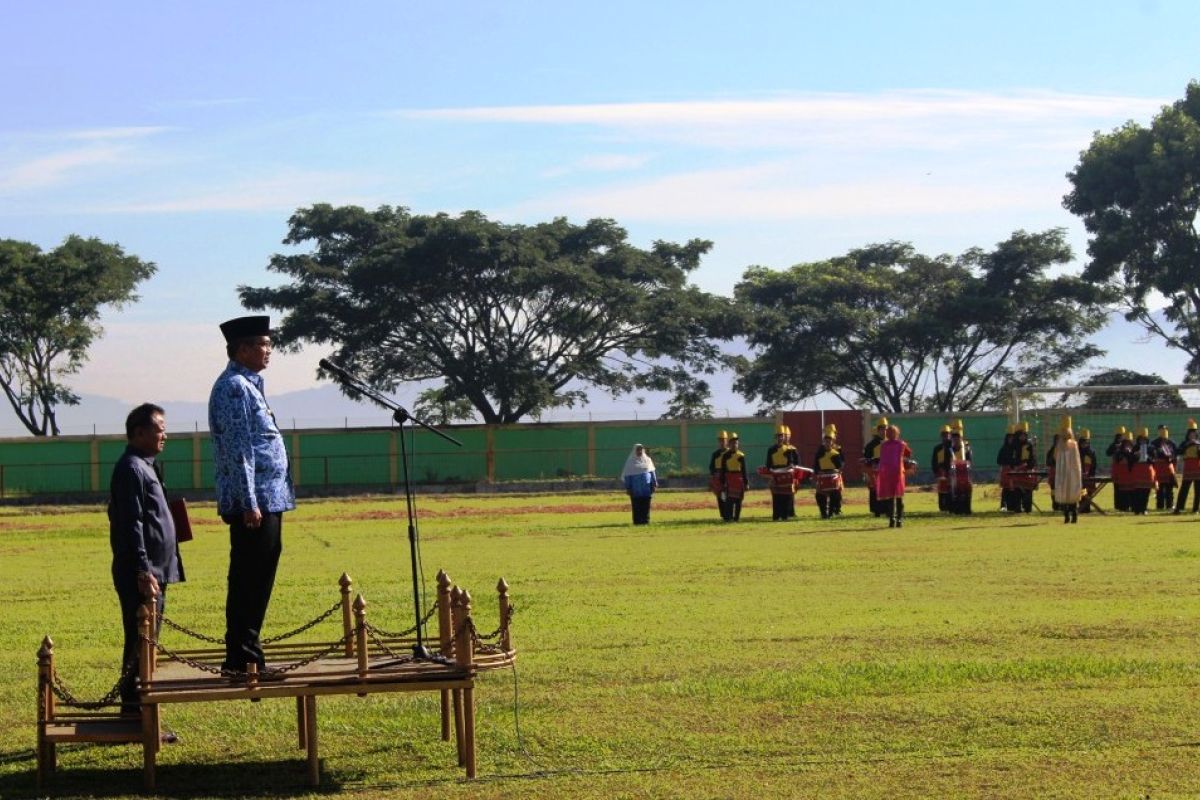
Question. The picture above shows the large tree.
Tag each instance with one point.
(887, 328)
(514, 319)
(1136, 400)
(1137, 190)
(50, 304)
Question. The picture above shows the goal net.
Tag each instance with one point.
(1103, 410)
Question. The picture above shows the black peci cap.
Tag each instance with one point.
(245, 327)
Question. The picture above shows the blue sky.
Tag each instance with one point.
(784, 132)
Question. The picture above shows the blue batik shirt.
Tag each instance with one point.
(251, 463)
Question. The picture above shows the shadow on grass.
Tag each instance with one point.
(242, 779)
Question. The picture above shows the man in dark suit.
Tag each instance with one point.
(142, 535)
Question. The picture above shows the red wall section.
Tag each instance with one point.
(806, 436)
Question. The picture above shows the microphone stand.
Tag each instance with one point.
(420, 651)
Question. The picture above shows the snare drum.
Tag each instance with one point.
(962, 477)
(1191, 469)
(1025, 479)
(783, 481)
(829, 482)
(735, 486)
(1142, 476)
(943, 482)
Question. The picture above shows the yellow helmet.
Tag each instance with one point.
(1084, 433)
(1064, 424)
(1024, 426)
(1191, 424)
(1144, 433)
(882, 422)
(1162, 431)
(733, 435)
(781, 430)
(1120, 431)
(957, 426)
(723, 435)
(945, 429)
(1128, 436)
(1012, 429)
(831, 431)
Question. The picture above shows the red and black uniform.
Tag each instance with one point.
(829, 459)
(716, 479)
(1140, 464)
(947, 459)
(1165, 452)
(1021, 457)
(779, 456)
(1088, 461)
(735, 480)
(1008, 500)
(871, 458)
(1190, 452)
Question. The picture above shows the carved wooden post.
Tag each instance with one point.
(464, 655)
(45, 710)
(445, 641)
(456, 694)
(347, 614)
(505, 615)
(360, 622)
(150, 732)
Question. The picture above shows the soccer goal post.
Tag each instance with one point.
(1104, 409)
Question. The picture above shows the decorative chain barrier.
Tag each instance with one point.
(278, 638)
(480, 645)
(314, 621)
(214, 670)
(512, 610)
(400, 657)
(162, 618)
(67, 698)
(410, 631)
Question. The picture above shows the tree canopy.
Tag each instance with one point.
(1137, 400)
(50, 305)
(1137, 190)
(512, 319)
(887, 328)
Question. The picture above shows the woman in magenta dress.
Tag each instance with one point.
(894, 456)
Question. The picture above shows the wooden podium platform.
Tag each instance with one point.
(366, 660)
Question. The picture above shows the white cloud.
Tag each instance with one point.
(54, 169)
(782, 190)
(130, 132)
(923, 119)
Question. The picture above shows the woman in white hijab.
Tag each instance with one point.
(640, 483)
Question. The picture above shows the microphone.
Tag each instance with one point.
(341, 374)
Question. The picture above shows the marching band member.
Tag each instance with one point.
(1087, 464)
(1068, 473)
(960, 470)
(780, 455)
(1190, 452)
(716, 480)
(895, 456)
(871, 462)
(1122, 473)
(1165, 452)
(827, 464)
(1008, 501)
(1051, 458)
(939, 463)
(733, 479)
(1022, 457)
(1141, 472)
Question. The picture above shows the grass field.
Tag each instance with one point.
(983, 656)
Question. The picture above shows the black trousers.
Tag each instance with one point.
(1184, 487)
(253, 559)
(131, 600)
(829, 503)
(641, 509)
(1139, 500)
(783, 506)
(1164, 498)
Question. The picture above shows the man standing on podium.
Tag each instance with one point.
(253, 483)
